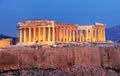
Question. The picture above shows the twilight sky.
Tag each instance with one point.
(66, 11)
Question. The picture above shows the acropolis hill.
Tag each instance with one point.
(51, 32)
(24, 59)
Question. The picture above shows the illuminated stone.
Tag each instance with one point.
(51, 32)
(5, 42)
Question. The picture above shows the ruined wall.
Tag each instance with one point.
(60, 58)
(5, 42)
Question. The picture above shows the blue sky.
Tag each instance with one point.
(66, 11)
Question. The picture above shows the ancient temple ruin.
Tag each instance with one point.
(51, 32)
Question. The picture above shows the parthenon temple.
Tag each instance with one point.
(51, 32)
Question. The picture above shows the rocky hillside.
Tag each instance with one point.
(75, 70)
(113, 33)
(67, 61)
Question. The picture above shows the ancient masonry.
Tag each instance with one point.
(51, 32)
(5, 42)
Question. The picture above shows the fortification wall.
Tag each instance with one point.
(107, 57)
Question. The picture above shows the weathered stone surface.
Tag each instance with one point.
(91, 71)
(87, 56)
(5, 42)
(104, 56)
(43, 58)
(8, 61)
(110, 57)
(60, 58)
(76, 70)
(114, 58)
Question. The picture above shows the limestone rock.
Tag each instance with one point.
(63, 59)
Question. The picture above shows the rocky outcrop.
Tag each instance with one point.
(76, 70)
(105, 58)
(87, 56)
(110, 57)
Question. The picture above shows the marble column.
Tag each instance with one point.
(44, 34)
(83, 37)
(60, 33)
(24, 34)
(56, 34)
(86, 35)
(73, 35)
(96, 36)
(63, 34)
(101, 35)
(53, 35)
(49, 31)
(29, 34)
(34, 35)
(104, 37)
(39, 34)
(91, 35)
(76, 34)
(80, 37)
(67, 33)
(70, 38)
(21, 37)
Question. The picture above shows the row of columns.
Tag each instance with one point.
(61, 34)
(67, 34)
(94, 35)
(101, 34)
(36, 34)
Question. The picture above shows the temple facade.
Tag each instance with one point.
(52, 32)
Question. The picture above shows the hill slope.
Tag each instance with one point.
(113, 33)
